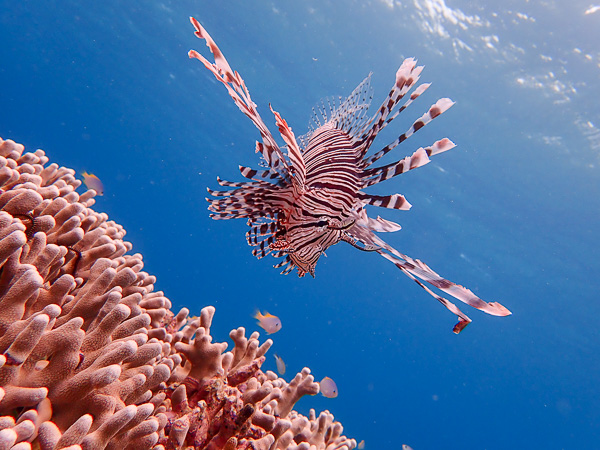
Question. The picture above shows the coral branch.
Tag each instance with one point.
(91, 357)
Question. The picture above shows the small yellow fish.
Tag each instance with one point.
(280, 364)
(93, 182)
(328, 388)
(361, 445)
(268, 322)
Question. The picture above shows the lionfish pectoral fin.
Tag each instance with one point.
(342, 225)
(355, 243)
(238, 91)
(382, 225)
(393, 201)
(419, 158)
(418, 270)
(406, 78)
(221, 63)
(463, 319)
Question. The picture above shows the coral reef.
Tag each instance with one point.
(91, 357)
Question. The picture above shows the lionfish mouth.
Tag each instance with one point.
(312, 274)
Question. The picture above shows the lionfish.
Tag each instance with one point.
(311, 195)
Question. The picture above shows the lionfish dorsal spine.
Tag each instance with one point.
(294, 153)
(406, 77)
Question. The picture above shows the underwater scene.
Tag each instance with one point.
(303, 119)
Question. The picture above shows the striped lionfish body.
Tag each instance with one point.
(311, 196)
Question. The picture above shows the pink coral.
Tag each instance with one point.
(91, 357)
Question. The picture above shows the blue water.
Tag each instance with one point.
(512, 212)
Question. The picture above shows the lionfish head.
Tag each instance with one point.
(303, 266)
(307, 244)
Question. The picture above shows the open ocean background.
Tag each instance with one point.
(512, 212)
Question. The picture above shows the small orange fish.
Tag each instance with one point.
(268, 322)
(328, 388)
(361, 445)
(93, 182)
(280, 364)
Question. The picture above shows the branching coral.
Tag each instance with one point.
(91, 357)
